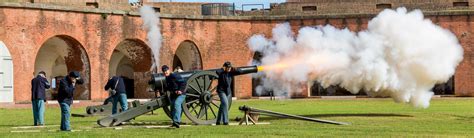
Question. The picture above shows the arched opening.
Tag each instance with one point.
(132, 59)
(444, 88)
(317, 89)
(187, 57)
(257, 89)
(60, 55)
(6, 74)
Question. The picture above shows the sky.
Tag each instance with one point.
(238, 3)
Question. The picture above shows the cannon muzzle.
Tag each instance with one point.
(248, 69)
(158, 81)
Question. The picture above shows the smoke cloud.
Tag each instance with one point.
(151, 22)
(401, 55)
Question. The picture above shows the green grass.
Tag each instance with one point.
(368, 118)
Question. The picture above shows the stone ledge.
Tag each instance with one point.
(40, 6)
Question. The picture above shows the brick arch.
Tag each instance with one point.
(257, 82)
(188, 56)
(132, 59)
(141, 55)
(60, 54)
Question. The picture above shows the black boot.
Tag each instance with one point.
(176, 125)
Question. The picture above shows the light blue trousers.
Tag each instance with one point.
(223, 114)
(38, 112)
(65, 115)
(122, 99)
(176, 108)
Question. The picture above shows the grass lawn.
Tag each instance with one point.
(368, 117)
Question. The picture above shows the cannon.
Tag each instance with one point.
(106, 107)
(103, 109)
(201, 104)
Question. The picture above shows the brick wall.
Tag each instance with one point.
(25, 30)
(292, 7)
(218, 39)
(103, 4)
(178, 8)
(295, 7)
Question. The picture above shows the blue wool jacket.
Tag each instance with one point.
(120, 86)
(38, 88)
(66, 91)
(174, 83)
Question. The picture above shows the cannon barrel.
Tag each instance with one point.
(249, 69)
(157, 81)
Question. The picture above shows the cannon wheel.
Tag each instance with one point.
(202, 102)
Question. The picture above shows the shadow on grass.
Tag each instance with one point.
(464, 118)
(341, 115)
(148, 123)
(9, 126)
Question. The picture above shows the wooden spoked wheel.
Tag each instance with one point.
(202, 102)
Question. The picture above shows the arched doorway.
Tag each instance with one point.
(446, 88)
(257, 89)
(187, 57)
(132, 59)
(59, 55)
(6, 74)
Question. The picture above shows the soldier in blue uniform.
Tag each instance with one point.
(38, 97)
(176, 85)
(65, 97)
(224, 90)
(116, 83)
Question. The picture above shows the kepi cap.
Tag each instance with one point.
(74, 74)
(164, 68)
(227, 64)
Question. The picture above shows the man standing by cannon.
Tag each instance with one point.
(176, 86)
(224, 90)
(38, 97)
